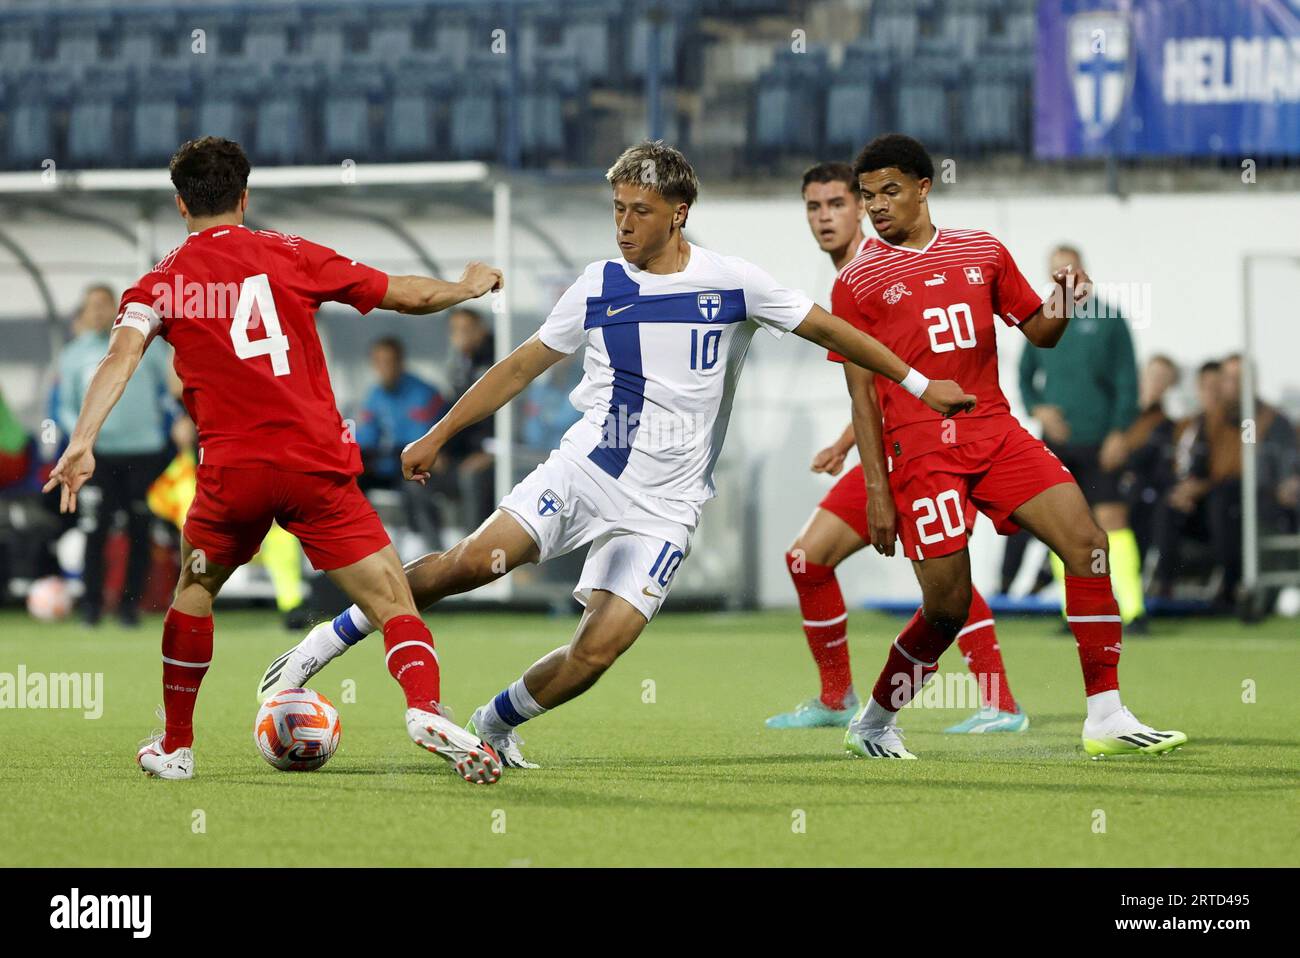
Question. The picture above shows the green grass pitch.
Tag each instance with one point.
(691, 777)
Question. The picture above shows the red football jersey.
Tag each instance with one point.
(934, 307)
(239, 308)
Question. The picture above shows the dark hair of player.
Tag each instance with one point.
(389, 342)
(663, 168)
(895, 150)
(834, 172)
(1209, 366)
(210, 174)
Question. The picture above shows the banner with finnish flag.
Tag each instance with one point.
(1167, 78)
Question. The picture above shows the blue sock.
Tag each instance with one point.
(514, 705)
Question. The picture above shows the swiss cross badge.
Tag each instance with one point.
(974, 276)
(896, 292)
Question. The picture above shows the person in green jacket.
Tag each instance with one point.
(1085, 394)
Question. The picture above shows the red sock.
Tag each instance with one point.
(978, 641)
(1093, 614)
(186, 655)
(412, 661)
(825, 624)
(913, 658)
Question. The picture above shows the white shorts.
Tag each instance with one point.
(637, 542)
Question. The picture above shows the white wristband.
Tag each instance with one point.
(915, 383)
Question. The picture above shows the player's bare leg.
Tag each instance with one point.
(914, 656)
(1059, 516)
(493, 549)
(825, 541)
(186, 655)
(609, 627)
(378, 585)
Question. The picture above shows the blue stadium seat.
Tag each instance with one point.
(96, 117)
(541, 123)
(636, 48)
(280, 130)
(789, 102)
(853, 113)
(31, 134)
(474, 127)
(994, 106)
(346, 129)
(161, 95)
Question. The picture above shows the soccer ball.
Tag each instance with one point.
(48, 599)
(297, 730)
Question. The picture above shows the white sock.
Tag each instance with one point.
(1102, 705)
(512, 707)
(335, 637)
(875, 715)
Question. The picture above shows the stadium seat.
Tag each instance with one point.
(994, 105)
(474, 126)
(789, 103)
(96, 119)
(853, 114)
(31, 134)
(156, 110)
(280, 132)
(346, 114)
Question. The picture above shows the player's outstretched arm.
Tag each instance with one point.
(77, 464)
(418, 295)
(1046, 326)
(882, 519)
(833, 333)
(496, 387)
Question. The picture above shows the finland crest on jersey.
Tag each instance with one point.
(664, 352)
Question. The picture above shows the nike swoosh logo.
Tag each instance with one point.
(611, 311)
(646, 591)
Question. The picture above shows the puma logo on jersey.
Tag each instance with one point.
(896, 292)
(611, 311)
(939, 279)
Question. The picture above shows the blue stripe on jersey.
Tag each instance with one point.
(506, 709)
(623, 344)
(346, 629)
(619, 293)
(622, 334)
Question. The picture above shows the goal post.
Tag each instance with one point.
(348, 186)
(1255, 543)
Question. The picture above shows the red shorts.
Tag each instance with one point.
(934, 492)
(847, 499)
(233, 509)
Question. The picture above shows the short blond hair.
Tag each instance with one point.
(661, 167)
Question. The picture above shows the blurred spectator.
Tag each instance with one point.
(130, 454)
(547, 411)
(1084, 392)
(1207, 497)
(397, 410)
(1180, 515)
(1148, 472)
(470, 453)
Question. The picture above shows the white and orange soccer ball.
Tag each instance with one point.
(297, 730)
(48, 599)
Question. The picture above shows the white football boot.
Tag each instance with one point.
(1120, 733)
(156, 763)
(474, 759)
(882, 741)
(294, 668)
(506, 743)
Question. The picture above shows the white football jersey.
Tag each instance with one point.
(664, 352)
